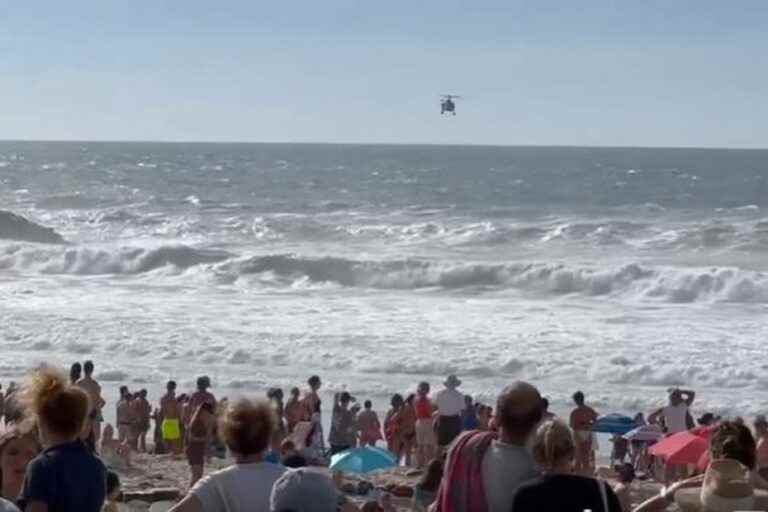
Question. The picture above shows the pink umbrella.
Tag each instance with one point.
(680, 448)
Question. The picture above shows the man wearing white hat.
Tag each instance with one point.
(450, 403)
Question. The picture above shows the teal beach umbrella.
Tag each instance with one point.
(363, 460)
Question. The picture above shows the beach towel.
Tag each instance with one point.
(462, 489)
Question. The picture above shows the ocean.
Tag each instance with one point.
(620, 272)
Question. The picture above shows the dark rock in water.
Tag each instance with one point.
(16, 227)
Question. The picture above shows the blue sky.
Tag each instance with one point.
(588, 72)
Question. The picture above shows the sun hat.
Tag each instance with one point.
(305, 490)
(727, 487)
(452, 382)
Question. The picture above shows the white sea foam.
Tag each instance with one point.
(618, 272)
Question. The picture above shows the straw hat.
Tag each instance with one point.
(727, 487)
(452, 382)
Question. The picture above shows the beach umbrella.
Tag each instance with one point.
(614, 424)
(647, 433)
(363, 460)
(681, 448)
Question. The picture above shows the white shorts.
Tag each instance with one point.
(425, 433)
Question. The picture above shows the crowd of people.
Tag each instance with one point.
(514, 457)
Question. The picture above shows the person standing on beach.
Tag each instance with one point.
(199, 437)
(582, 419)
(143, 412)
(369, 425)
(484, 469)
(343, 435)
(201, 396)
(677, 418)
(294, 411)
(124, 415)
(450, 404)
(313, 407)
(66, 477)
(95, 416)
(426, 443)
(170, 419)
(75, 372)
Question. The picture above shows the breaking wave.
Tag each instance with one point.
(16, 227)
(672, 285)
(545, 278)
(88, 261)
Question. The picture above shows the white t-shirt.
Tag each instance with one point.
(449, 402)
(7, 506)
(505, 467)
(675, 418)
(238, 488)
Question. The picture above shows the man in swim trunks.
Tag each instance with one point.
(95, 416)
(582, 419)
(170, 419)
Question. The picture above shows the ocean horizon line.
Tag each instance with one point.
(385, 144)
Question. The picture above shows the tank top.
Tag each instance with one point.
(423, 408)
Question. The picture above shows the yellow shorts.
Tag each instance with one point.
(171, 430)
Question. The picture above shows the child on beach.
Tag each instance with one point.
(425, 492)
(114, 453)
(469, 415)
(199, 439)
(619, 451)
(66, 477)
(626, 475)
(294, 411)
(369, 425)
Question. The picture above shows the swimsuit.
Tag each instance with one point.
(171, 429)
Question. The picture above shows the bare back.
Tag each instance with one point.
(169, 408)
(93, 389)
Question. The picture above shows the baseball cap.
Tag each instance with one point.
(305, 490)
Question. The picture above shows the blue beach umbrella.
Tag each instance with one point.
(614, 424)
(362, 460)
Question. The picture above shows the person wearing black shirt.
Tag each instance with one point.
(558, 489)
(66, 477)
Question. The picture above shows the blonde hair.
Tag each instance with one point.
(553, 443)
(58, 405)
(247, 426)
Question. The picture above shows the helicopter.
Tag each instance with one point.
(447, 104)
